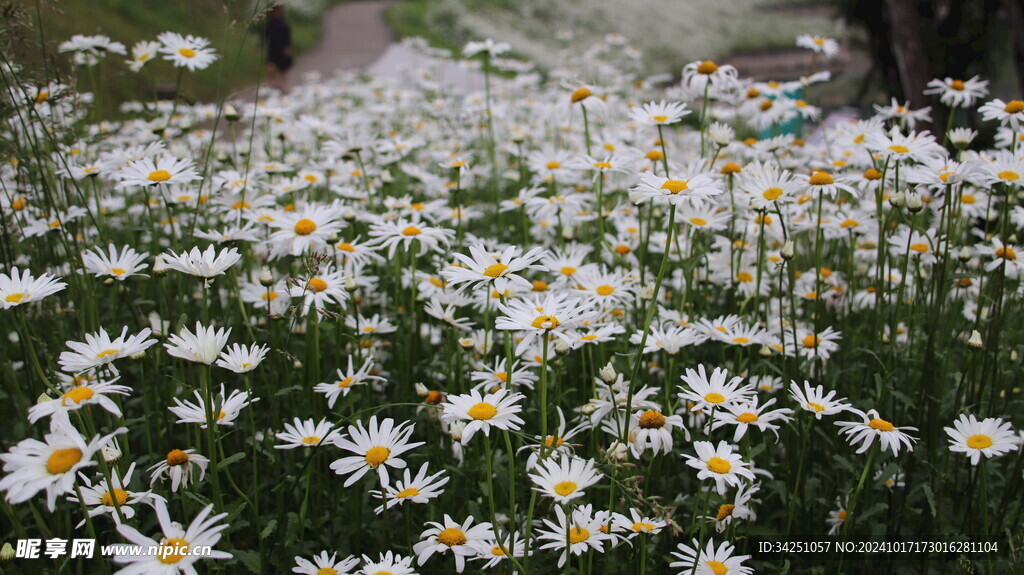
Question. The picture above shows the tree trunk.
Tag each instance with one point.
(1015, 14)
(908, 47)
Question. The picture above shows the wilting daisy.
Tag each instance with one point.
(190, 52)
(79, 394)
(165, 170)
(493, 271)
(565, 478)
(32, 465)
(347, 380)
(814, 399)
(21, 288)
(378, 447)
(576, 534)
(865, 432)
(203, 346)
(738, 510)
(419, 489)
(203, 264)
(710, 561)
(651, 430)
(99, 350)
(496, 409)
(118, 265)
(324, 565)
(719, 463)
(102, 497)
(307, 434)
(242, 358)
(179, 465)
(837, 517)
(462, 540)
(176, 545)
(224, 411)
(990, 437)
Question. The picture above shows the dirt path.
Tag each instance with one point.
(355, 35)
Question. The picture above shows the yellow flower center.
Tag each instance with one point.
(187, 52)
(717, 567)
(622, 249)
(118, 271)
(847, 224)
(725, 511)
(822, 179)
(1006, 252)
(269, 296)
(602, 165)
(304, 227)
(553, 165)
(377, 455)
(707, 67)
(552, 441)
(177, 457)
(495, 270)
(565, 488)
(772, 194)
(497, 552)
(659, 118)
(578, 535)
(605, 290)
(841, 515)
(714, 397)
(311, 440)
(810, 341)
(159, 176)
(502, 375)
(482, 411)
(899, 149)
(1014, 107)
(919, 247)
(108, 498)
(719, 465)
(745, 277)
(77, 395)
(173, 550)
(580, 94)
(979, 441)
(642, 527)
(1008, 176)
(652, 420)
(407, 492)
(411, 231)
(740, 340)
(452, 537)
(746, 417)
(957, 85)
(316, 285)
(568, 270)
(817, 407)
(62, 460)
(545, 322)
(698, 221)
(674, 186)
(107, 352)
(881, 425)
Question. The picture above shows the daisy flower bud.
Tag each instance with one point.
(111, 452)
(788, 250)
(608, 373)
(913, 202)
(975, 341)
(897, 200)
(231, 113)
(765, 351)
(266, 278)
(965, 254)
(6, 552)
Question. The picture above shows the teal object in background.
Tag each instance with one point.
(794, 126)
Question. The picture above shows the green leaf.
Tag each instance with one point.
(930, 497)
(250, 559)
(271, 525)
(230, 460)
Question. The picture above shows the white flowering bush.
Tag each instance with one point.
(549, 327)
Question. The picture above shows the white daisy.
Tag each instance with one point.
(496, 409)
(378, 447)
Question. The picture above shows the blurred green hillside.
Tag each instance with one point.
(32, 30)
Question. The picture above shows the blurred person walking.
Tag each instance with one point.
(277, 38)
